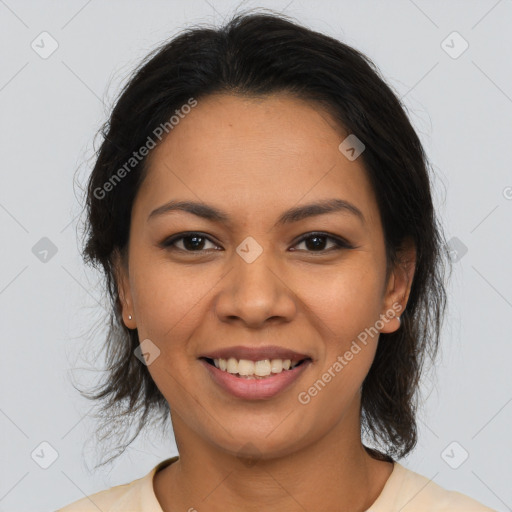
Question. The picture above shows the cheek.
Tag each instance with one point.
(169, 309)
(345, 306)
(167, 298)
(344, 300)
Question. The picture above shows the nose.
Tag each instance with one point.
(255, 293)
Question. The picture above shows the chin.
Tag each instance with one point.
(253, 443)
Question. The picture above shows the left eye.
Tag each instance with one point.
(317, 242)
(314, 242)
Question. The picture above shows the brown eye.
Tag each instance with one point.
(196, 242)
(190, 242)
(316, 242)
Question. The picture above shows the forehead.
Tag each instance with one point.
(255, 155)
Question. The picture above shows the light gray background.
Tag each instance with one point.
(50, 110)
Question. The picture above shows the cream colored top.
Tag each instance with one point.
(404, 491)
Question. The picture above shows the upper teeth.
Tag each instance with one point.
(261, 368)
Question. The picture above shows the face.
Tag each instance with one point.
(311, 284)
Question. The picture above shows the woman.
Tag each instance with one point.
(261, 208)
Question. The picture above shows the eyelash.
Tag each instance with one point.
(340, 243)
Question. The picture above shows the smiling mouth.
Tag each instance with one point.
(247, 369)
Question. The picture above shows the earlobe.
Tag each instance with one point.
(123, 288)
(399, 287)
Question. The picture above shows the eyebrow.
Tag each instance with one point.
(294, 214)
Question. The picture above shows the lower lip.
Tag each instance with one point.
(255, 389)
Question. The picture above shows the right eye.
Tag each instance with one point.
(191, 242)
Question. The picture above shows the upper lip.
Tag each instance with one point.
(256, 353)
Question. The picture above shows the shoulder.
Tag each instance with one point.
(417, 493)
(108, 500)
(135, 496)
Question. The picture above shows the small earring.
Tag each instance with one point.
(399, 321)
(129, 317)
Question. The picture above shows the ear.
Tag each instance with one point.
(398, 287)
(123, 286)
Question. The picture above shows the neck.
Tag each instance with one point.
(335, 473)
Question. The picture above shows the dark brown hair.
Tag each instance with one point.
(260, 54)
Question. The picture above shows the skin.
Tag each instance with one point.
(254, 158)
